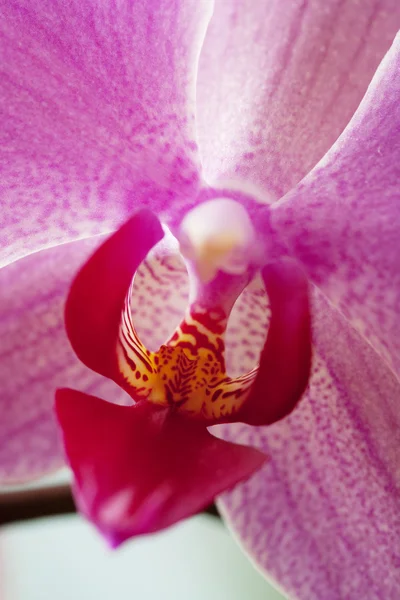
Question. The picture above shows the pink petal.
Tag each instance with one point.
(343, 220)
(322, 517)
(96, 299)
(97, 105)
(140, 469)
(36, 358)
(279, 80)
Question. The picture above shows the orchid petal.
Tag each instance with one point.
(343, 221)
(96, 299)
(279, 80)
(97, 108)
(285, 360)
(140, 469)
(36, 358)
(322, 517)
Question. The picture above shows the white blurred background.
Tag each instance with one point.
(63, 558)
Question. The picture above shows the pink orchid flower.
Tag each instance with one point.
(143, 467)
(111, 107)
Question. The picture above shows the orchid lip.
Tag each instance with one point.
(127, 459)
(100, 297)
(188, 371)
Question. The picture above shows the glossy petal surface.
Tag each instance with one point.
(279, 80)
(97, 106)
(96, 298)
(322, 517)
(343, 220)
(140, 469)
(36, 358)
(285, 360)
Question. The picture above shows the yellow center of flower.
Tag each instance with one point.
(187, 372)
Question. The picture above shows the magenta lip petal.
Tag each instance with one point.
(140, 469)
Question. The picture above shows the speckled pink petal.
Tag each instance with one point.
(97, 107)
(322, 517)
(280, 79)
(343, 220)
(35, 358)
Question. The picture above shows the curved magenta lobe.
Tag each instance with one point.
(285, 361)
(140, 468)
(95, 302)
